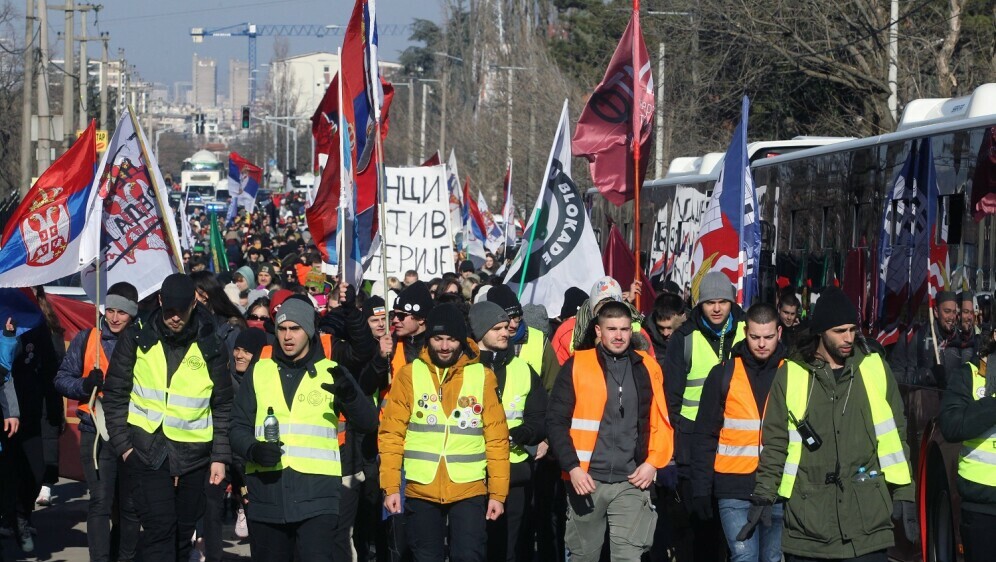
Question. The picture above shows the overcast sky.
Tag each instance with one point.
(156, 34)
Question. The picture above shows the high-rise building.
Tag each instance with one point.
(205, 89)
(238, 83)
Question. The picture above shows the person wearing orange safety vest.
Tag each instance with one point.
(81, 373)
(834, 449)
(608, 428)
(727, 441)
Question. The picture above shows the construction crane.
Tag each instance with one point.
(252, 31)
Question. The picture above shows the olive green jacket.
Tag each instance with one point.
(830, 520)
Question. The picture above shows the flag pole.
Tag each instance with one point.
(340, 241)
(636, 155)
(508, 193)
(155, 191)
(529, 250)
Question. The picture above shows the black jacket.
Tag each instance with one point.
(676, 374)
(533, 428)
(69, 379)
(33, 373)
(915, 362)
(155, 448)
(712, 407)
(288, 496)
(560, 411)
(354, 344)
(656, 339)
(962, 418)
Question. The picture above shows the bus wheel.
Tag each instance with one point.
(940, 522)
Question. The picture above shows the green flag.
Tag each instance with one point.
(219, 259)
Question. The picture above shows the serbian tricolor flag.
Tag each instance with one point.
(474, 228)
(44, 238)
(615, 114)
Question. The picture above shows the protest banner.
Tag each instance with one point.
(417, 225)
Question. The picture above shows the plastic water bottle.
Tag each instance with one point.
(873, 474)
(861, 476)
(271, 427)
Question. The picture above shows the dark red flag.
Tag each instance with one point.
(984, 182)
(620, 265)
(432, 161)
(608, 124)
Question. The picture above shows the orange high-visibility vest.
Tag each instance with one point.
(326, 339)
(89, 360)
(590, 396)
(740, 439)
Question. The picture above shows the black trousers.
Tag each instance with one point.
(426, 525)
(214, 515)
(708, 539)
(349, 500)
(22, 463)
(977, 530)
(879, 556)
(106, 485)
(168, 512)
(549, 510)
(392, 540)
(368, 514)
(278, 542)
(505, 536)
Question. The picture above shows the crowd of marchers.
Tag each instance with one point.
(452, 421)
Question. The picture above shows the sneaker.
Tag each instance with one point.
(241, 526)
(24, 536)
(44, 496)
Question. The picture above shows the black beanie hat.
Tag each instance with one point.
(503, 296)
(446, 320)
(415, 300)
(573, 299)
(467, 265)
(373, 306)
(251, 340)
(833, 309)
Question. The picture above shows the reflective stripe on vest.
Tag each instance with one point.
(518, 382)
(532, 351)
(590, 396)
(740, 439)
(308, 430)
(889, 446)
(183, 409)
(90, 359)
(702, 361)
(977, 459)
(326, 339)
(456, 436)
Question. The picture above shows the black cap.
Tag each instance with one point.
(251, 340)
(373, 306)
(467, 265)
(833, 309)
(503, 296)
(177, 292)
(446, 320)
(573, 299)
(415, 300)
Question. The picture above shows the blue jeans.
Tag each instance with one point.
(765, 545)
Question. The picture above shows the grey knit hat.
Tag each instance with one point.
(714, 286)
(484, 316)
(299, 312)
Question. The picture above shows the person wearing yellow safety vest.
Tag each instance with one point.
(524, 399)
(833, 448)
(80, 374)
(703, 341)
(444, 425)
(167, 403)
(727, 441)
(529, 343)
(968, 416)
(295, 484)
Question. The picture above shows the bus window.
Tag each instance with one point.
(952, 212)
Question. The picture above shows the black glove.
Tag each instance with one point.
(904, 512)
(350, 297)
(342, 384)
(94, 380)
(265, 453)
(759, 513)
(701, 507)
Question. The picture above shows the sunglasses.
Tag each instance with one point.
(399, 316)
(313, 289)
(257, 317)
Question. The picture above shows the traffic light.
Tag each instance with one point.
(245, 116)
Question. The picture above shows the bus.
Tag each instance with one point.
(821, 211)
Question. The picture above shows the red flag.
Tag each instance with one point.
(608, 123)
(984, 182)
(432, 161)
(620, 265)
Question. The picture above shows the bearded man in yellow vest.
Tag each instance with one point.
(727, 440)
(833, 448)
(444, 424)
(167, 402)
(609, 430)
(968, 416)
(522, 395)
(295, 484)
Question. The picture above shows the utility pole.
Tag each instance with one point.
(421, 139)
(442, 119)
(104, 38)
(68, 87)
(84, 76)
(411, 121)
(44, 112)
(508, 143)
(122, 100)
(27, 94)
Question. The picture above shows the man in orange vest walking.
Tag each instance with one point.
(608, 427)
(727, 442)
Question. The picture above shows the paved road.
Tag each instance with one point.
(62, 530)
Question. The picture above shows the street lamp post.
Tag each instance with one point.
(508, 140)
(445, 87)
